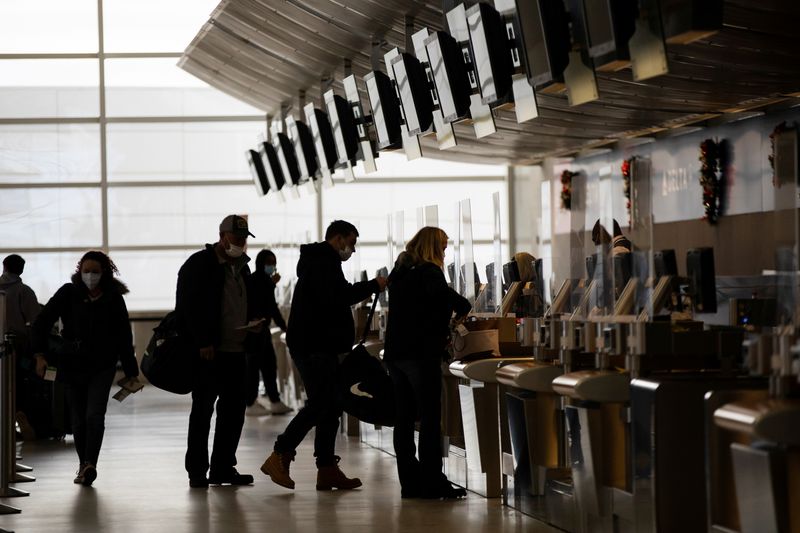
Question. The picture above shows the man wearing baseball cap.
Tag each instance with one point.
(211, 301)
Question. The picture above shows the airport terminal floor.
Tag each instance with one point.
(142, 486)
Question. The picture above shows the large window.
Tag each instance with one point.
(105, 143)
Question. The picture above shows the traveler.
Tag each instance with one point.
(321, 329)
(421, 307)
(261, 354)
(22, 308)
(96, 335)
(211, 303)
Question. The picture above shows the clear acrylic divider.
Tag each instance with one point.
(468, 267)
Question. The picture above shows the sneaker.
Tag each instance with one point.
(232, 477)
(89, 474)
(256, 410)
(280, 408)
(331, 477)
(198, 482)
(277, 467)
(79, 475)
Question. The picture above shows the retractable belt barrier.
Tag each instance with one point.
(8, 445)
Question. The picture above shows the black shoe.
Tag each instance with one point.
(445, 491)
(232, 477)
(198, 482)
(89, 475)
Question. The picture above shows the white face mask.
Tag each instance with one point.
(234, 251)
(346, 253)
(90, 279)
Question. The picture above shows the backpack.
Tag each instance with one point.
(169, 360)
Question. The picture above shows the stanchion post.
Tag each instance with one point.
(8, 453)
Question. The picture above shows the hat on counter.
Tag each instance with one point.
(236, 225)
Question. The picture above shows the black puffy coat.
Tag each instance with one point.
(420, 307)
(321, 319)
(96, 333)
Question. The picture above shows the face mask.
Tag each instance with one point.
(90, 279)
(269, 270)
(234, 251)
(346, 253)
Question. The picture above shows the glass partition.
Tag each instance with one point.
(637, 297)
(785, 178)
(562, 268)
(468, 268)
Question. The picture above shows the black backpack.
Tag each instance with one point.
(169, 360)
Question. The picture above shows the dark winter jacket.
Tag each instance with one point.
(420, 307)
(198, 299)
(321, 319)
(96, 334)
(261, 300)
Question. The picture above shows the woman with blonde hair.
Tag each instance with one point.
(421, 305)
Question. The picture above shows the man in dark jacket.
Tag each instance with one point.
(211, 302)
(321, 329)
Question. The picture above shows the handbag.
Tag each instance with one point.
(169, 360)
(365, 388)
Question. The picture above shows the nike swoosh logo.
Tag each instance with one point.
(358, 392)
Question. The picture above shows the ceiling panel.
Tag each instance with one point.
(265, 52)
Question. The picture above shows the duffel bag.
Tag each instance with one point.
(169, 360)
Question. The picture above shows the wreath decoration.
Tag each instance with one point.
(626, 168)
(566, 189)
(714, 166)
(780, 128)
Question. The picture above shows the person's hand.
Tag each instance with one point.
(132, 384)
(41, 364)
(207, 353)
(276, 278)
(381, 282)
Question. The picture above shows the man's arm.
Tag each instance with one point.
(192, 298)
(29, 305)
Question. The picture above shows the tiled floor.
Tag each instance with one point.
(142, 486)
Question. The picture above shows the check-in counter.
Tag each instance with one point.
(759, 450)
(596, 418)
(481, 413)
(535, 466)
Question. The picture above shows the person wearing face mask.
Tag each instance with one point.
(321, 329)
(212, 307)
(260, 352)
(96, 334)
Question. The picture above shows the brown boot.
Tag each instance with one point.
(277, 467)
(331, 477)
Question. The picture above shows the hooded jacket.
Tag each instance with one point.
(420, 306)
(22, 307)
(97, 333)
(321, 319)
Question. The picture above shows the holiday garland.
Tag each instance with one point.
(714, 163)
(626, 168)
(566, 189)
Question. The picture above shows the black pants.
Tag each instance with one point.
(88, 400)
(219, 381)
(418, 392)
(321, 410)
(262, 360)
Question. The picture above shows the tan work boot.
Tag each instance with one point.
(331, 477)
(277, 467)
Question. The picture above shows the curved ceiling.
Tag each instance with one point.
(265, 52)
